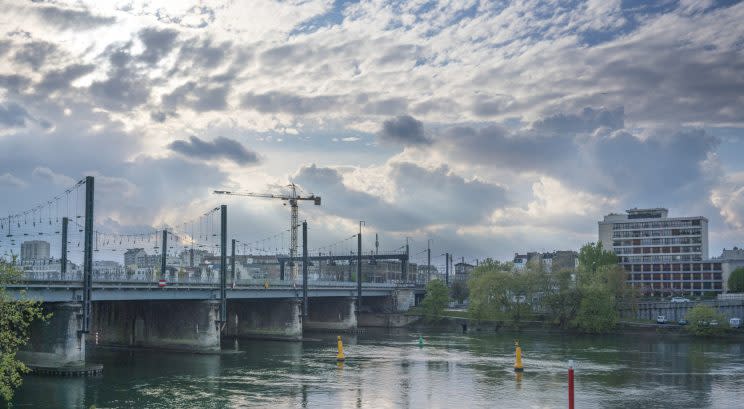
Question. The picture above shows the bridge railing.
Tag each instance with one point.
(208, 280)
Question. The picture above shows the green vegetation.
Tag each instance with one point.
(459, 291)
(16, 317)
(705, 321)
(435, 301)
(585, 299)
(736, 281)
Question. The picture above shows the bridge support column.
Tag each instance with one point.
(267, 319)
(331, 314)
(173, 325)
(58, 341)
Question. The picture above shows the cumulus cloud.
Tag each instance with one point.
(403, 130)
(68, 19)
(219, 148)
(61, 79)
(200, 98)
(34, 54)
(158, 43)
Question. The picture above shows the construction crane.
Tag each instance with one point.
(292, 197)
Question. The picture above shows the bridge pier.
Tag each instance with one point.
(331, 314)
(267, 319)
(174, 325)
(58, 341)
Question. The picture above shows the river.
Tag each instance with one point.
(390, 370)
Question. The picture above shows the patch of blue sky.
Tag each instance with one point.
(334, 16)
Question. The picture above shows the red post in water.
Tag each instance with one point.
(570, 385)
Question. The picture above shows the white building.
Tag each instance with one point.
(661, 254)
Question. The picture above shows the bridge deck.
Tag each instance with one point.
(61, 291)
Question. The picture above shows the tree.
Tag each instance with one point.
(736, 281)
(16, 317)
(436, 299)
(490, 293)
(596, 313)
(592, 257)
(459, 291)
(700, 318)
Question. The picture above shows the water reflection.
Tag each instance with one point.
(391, 370)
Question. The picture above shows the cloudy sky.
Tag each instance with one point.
(486, 126)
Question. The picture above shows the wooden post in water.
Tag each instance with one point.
(570, 385)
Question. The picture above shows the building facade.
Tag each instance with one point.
(662, 255)
(462, 271)
(550, 262)
(730, 261)
(34, 250)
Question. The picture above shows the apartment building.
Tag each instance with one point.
(662, 255)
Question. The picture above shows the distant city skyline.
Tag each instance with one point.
(488, 128)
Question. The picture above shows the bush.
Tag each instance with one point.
(700, 318)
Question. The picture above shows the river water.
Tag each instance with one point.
(389, 370)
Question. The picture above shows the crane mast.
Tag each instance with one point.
(293, 198)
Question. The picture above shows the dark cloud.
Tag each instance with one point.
(200, 98)
(124, 88)
(273, 102)
(657, 169)
(203, 53)
(444, 196)
(496, 146)
(162, 116)
(61, 79)
(13, 114)
(35, 53)
(158, 44)
(72, 19)
(353, 204)
(14, 83)
(404, 130)
(586, 121)
(219, 148)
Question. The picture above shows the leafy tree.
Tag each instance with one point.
(700, 318)
(596, 313)
(592, 258)
(490, 293)
(16, 317)
(459, 291)
(436, 299)
(736, 281)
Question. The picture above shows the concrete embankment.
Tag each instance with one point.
(467, 325)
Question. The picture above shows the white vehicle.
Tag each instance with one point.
(735, 323)
(680, 299)
(661, 319)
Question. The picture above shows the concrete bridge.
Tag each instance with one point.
(186, 315)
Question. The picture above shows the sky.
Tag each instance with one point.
(487, 127)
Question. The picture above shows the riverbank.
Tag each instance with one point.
(461, 323)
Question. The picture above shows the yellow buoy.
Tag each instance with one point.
(340, 356)
(518, 361)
